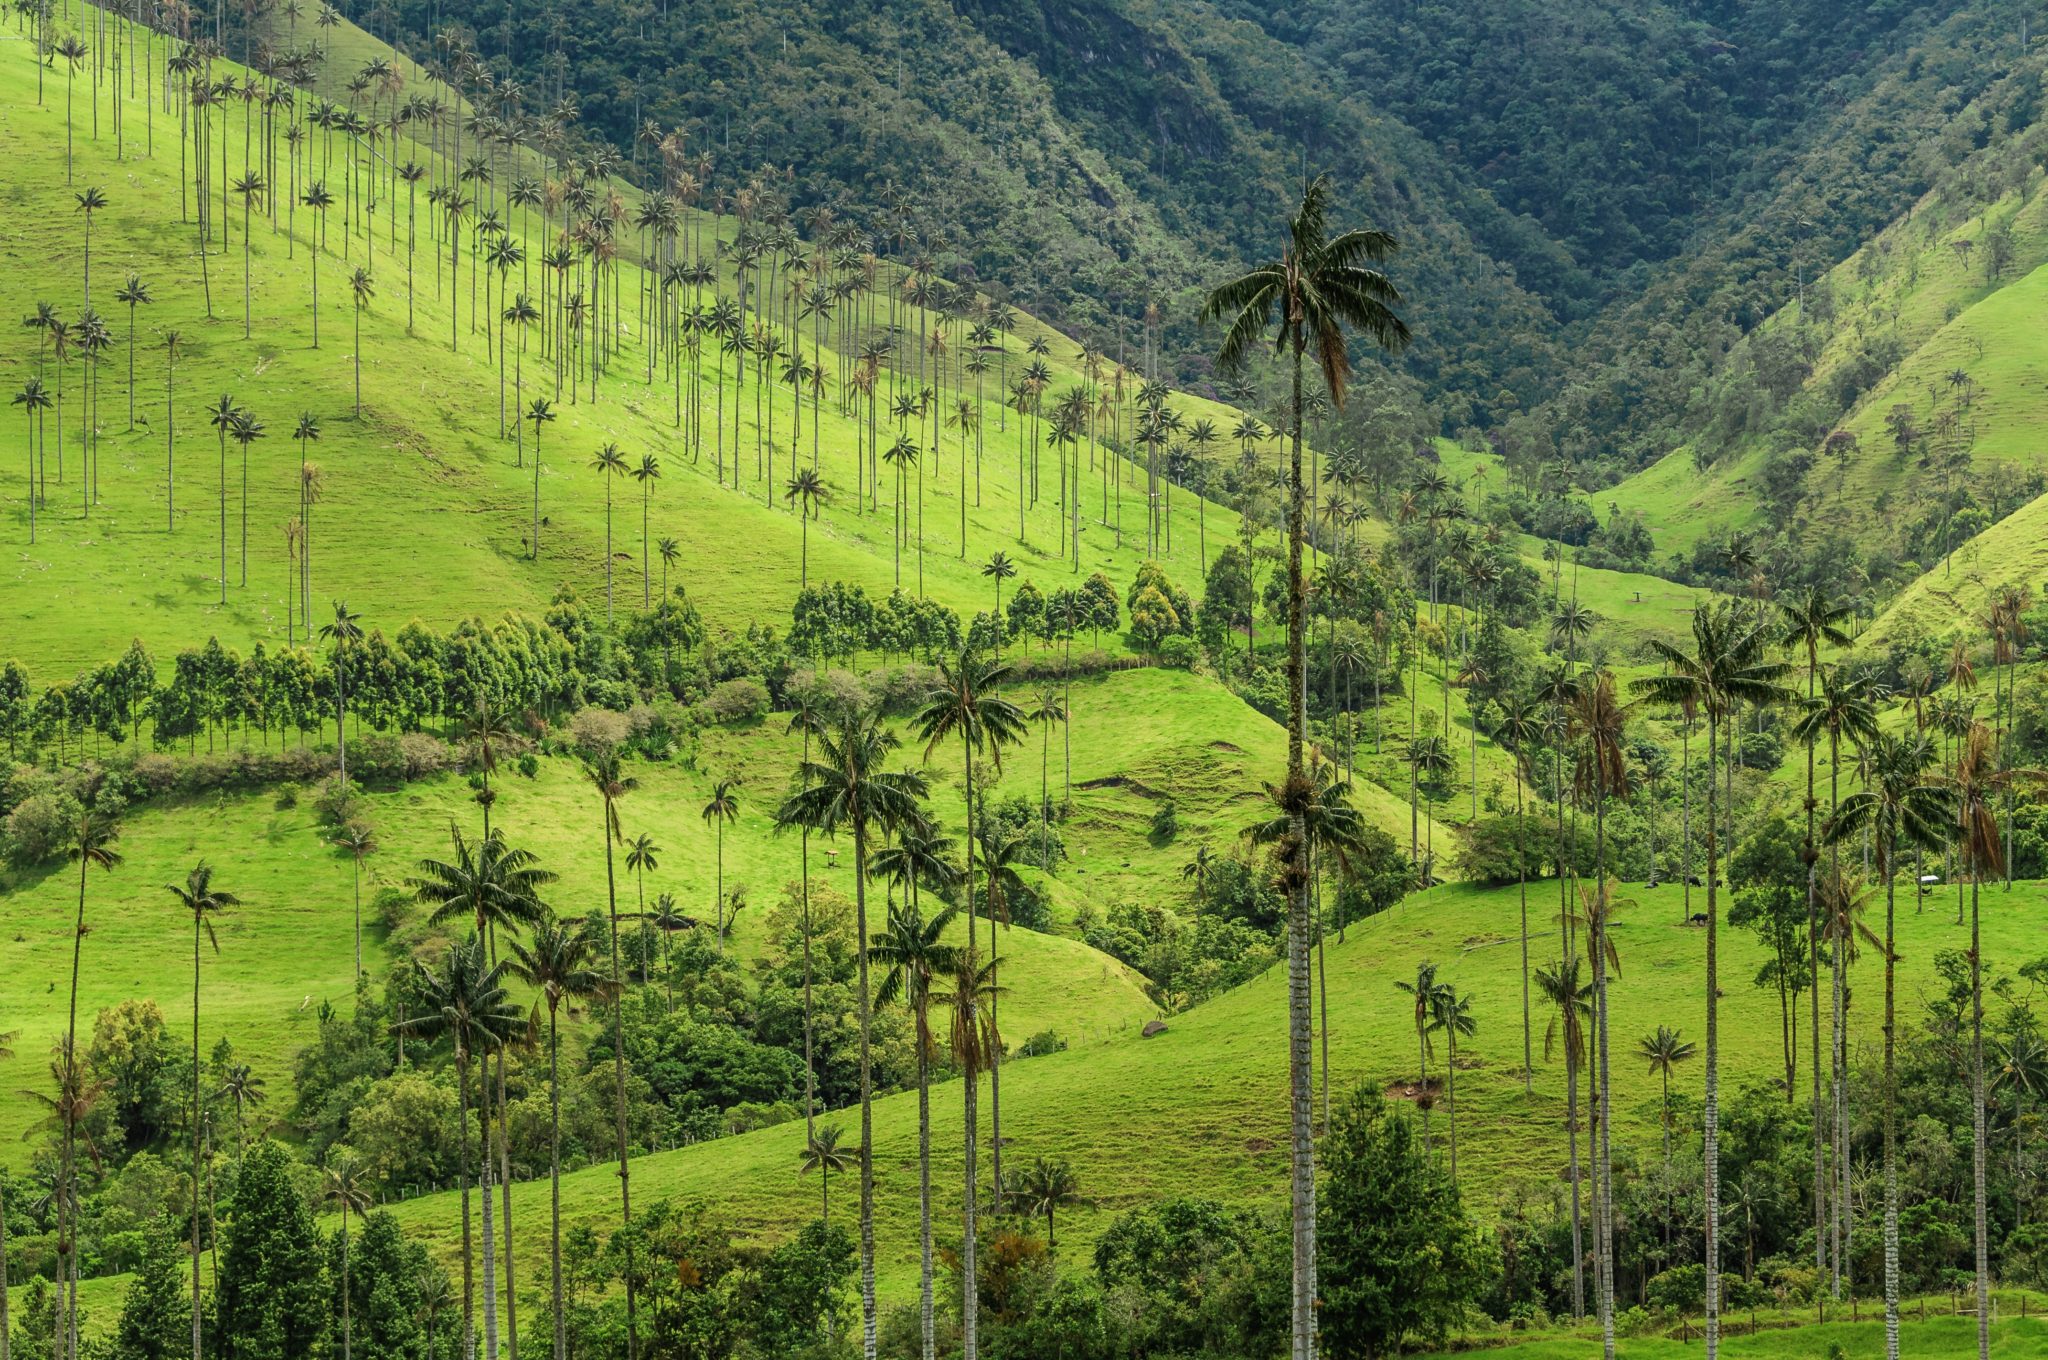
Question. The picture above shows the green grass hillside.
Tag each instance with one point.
(1932, 316)
(1139, 737)
(1211, 1087)
(426, 510)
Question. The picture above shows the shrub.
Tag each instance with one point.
(154, 773)
(1165, 823)
(338, 802)
(529, 765)
(741, 700)
(1179, 652)
(598, 729)
(40, 826)
(1045, 1041)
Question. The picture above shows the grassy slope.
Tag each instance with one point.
(1139, 736)
(1935, 1339)
(424, 467)
(1941, 602)
(1211, 1086)
(1632, 605)
(1922, 283)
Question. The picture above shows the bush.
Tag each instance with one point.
(1165, 823)
(903, 689)
(1179, 652)
(1762, 751)
(598, 729)
(1043, 1042)
(529, 765)
(736, 701)
(339, 801)
(1681, 1289)
(40, 826)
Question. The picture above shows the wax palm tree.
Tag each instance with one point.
(1570, 1002)
(363, 288)
(1978, 784)
(1320, 285)
(608, 463)
(846, 785)
(222, 416)
(670, 553)
(33, 400)
(912, 954)
(319, 200)
(540, 411)
(91, 844)
(467, 1003)
(605, 772)
(556, 963)
(668, 918)
(999, 568)
(132, 294)
(824, 1153)
(305, 431)
(1729, 665)
(1428, 756)
(721, 811)
(1520, 730)
(1844, 708)
(360, 842)
(1811, 621)
(245, 431)
(1453, 1016)
(646, 474)
(1197, 871)
(1901, 807)
(967, 702)
(487, 883)
(202, 901)
(90, 201)
(248, 187)
(345, 1185)
(642, 855)
(1598, 722)
(244, 1089)
(1425, 993)
(344, 632)
(1664, 1051)
(1047, 1184)
(1048, 710)
(807, 491)
(970, 1001)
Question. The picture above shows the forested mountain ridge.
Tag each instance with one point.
(1614, 184)
(1049, 189)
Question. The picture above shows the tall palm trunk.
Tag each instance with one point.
(462, 1176)
(555, 1184)
(483, 1184)
(1522, 887)
(67, 1232)
(1302, 1187)
(1891, 1105)
(970, 1300)
(926, 1320)
(867, 1100)
(1711, 1105)
(1977, 1148)
(196, 1306)
(1812, 858)
(1603, 1152)
(611, 888)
